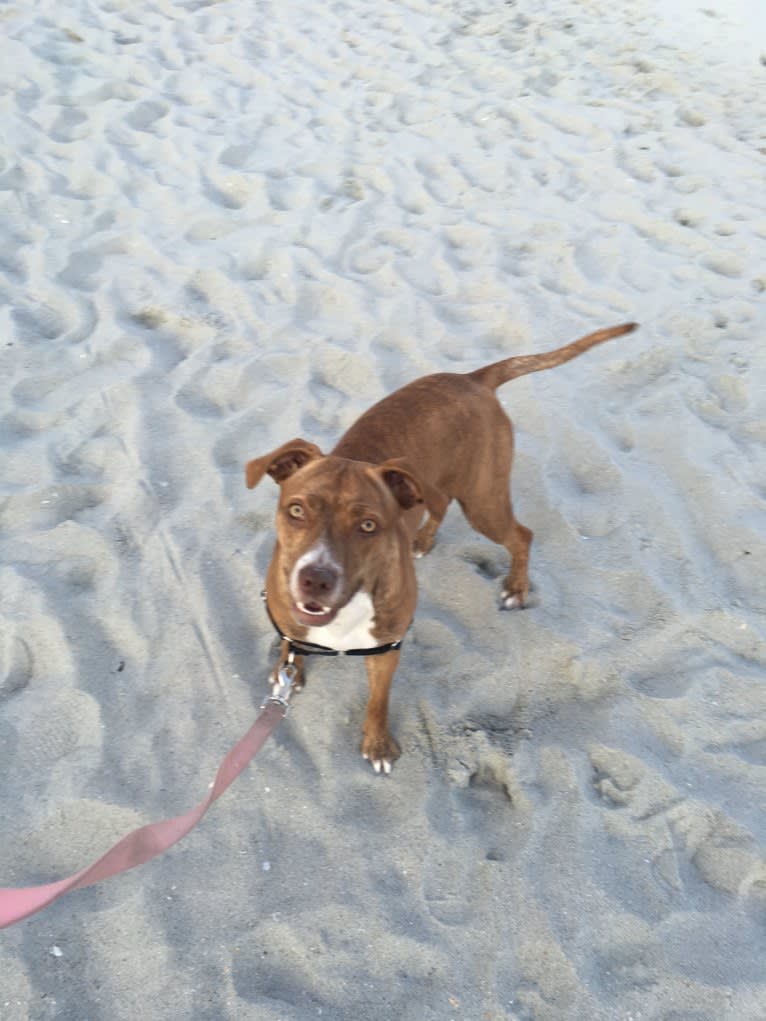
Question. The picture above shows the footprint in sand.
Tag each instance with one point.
(441, 180)
(15, 265)
(16, 664)
(211, 228)
(236, 156)
(69, 126)
(669, 837)
(289, 194)
(725, 264)
(72, 834)
(688, 217)
(447, 889)
(27, 95)
(368, 256)
(663, 678)
(145, 116)
(235, 191)
(37, 321)
(487, 804)
(80, 270)
(67, 720)
(452, 881)
(587, 485)
(72, 558)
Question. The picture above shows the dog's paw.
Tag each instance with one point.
(298, 681)
(512, 600)
(421, 546)
(424, 540)
(381, 751)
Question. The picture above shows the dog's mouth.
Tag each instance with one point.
(313, 614)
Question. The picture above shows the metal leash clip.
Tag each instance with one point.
(282, 684)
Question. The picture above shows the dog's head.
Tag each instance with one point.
(339, 524)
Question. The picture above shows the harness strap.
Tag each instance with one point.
(301, 648)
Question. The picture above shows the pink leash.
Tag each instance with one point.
(148, 841)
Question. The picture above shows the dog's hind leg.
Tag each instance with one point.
(517, 541)
(497, 523)
(424, 538)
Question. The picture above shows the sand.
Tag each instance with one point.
(226, 224)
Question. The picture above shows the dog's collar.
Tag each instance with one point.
(310, 649)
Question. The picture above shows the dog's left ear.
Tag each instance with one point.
(281, 463)
(406, 487)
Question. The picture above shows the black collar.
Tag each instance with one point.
(310, 649)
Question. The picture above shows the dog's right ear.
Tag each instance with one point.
(281, 463)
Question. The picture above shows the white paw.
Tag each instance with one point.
(276, 686)
(379, 765)
(509, 602)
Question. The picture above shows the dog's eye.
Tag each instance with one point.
(368, 526)
(295, 510)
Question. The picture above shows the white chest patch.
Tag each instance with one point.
(351, 629)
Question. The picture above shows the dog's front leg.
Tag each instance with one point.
(378, 747)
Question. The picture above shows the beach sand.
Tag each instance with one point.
(223, 225)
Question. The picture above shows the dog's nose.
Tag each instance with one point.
(317, 582)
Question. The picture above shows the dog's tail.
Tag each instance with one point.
(495, 375)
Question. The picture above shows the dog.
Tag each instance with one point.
(341, 578)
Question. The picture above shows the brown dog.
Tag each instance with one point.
(341, 576)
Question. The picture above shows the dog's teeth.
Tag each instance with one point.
(314, 613)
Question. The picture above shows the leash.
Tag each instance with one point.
(145, 843)
(299, 648)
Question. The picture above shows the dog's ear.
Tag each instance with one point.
(406, 487)
(281, 463)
